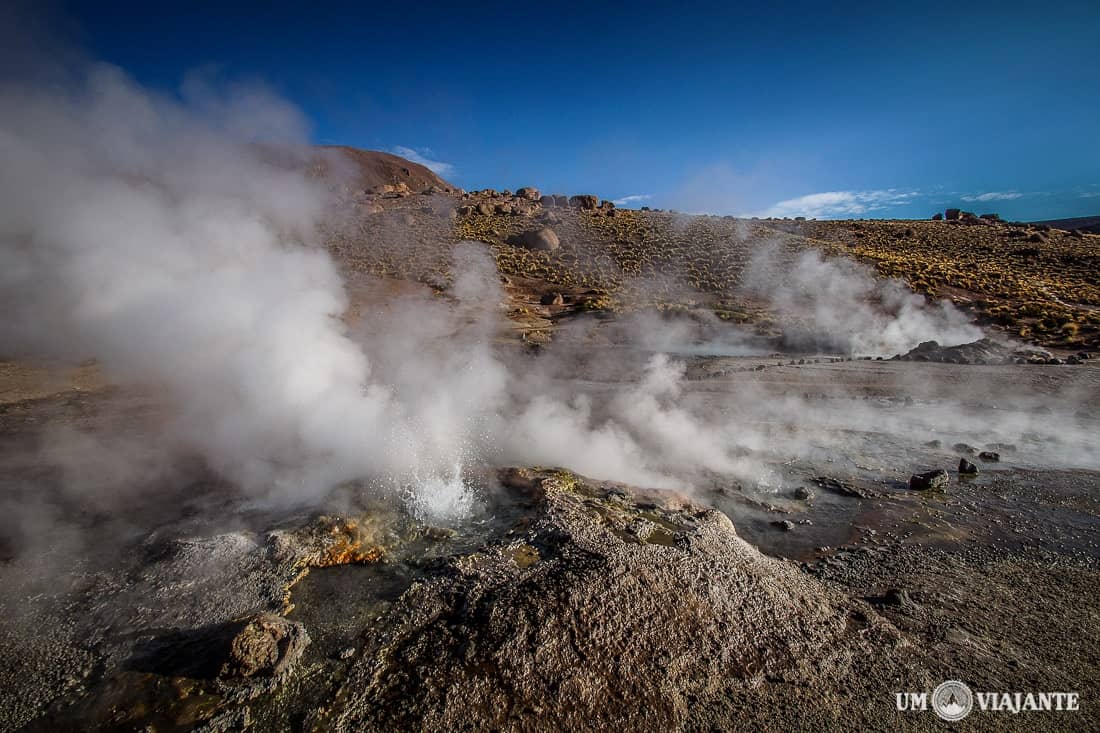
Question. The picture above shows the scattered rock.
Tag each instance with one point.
(528, 192)
(929, 481)
(267, 645)
(584, 201)
(965, 448)
(485, 209)
(804, 493)
(552, 299)
(989, 456)
(967, 468)
(784, 524)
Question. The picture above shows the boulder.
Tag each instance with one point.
(552, 299)
(543, 238)
(952, 214)
(584, 201)
(561, 200)
(989, 456)
(967, 468)
(929, 481)
(266, 645)
(937, 217)
(548, 201)
(529, 193)
(485, 209)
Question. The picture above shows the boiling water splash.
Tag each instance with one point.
(446, 499)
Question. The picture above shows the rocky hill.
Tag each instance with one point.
(372, 169)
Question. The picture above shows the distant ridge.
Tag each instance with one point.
(1083, 223)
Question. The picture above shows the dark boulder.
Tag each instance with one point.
(989, 456)
(952, 214)
(967, 468)
(929, 481)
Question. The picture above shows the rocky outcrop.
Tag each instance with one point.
(605, 607)
(984, 351)
(584, 201)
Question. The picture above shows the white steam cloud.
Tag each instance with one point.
(838, 305)
(154, 234)
(151, 234)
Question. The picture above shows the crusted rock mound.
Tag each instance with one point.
(606, 608)
(266, 644)
(983, 351)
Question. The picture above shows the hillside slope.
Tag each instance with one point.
(1081, 223)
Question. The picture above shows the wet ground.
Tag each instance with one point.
(829, 445)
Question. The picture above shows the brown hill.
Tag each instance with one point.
(373, 168)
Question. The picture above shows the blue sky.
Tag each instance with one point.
(818, 109)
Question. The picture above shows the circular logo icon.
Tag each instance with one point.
(952, 700)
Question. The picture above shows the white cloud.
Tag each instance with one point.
(423, 156)
(634, 198)
(831, 204)
(993, 196)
